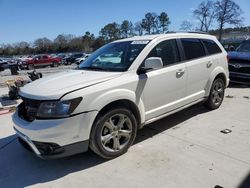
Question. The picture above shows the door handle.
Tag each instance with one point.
(209, 64)
(180, 73)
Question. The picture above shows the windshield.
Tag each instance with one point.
(116, 56)
(244, 47)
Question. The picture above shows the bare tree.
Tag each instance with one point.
(205, 14)
(186, 26)
(227, 12)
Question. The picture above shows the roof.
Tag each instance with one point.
(178, 34)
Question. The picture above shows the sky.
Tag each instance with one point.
(27, 20)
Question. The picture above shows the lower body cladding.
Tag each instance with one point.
(238, 77)
(55, 138)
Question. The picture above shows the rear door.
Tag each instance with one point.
(199, 67)
(165, 88)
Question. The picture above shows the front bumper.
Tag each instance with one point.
(55, 138)
(51, 150)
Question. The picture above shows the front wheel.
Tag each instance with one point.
(113, 133)
(216, 95)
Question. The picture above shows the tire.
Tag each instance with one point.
(109, 138)
(216, 95)
(31, 67)
(54, 64)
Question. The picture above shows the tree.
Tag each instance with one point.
(126, 29)
(164, 22)
(99, 42)
(227, 12)
(60, 43)
(22, 48)
(138, 28)
(150, 23)
(110, 32)
(42, 45)
(205, 14)
(186, 26)
(87, 40)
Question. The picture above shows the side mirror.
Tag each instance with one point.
(152, 63)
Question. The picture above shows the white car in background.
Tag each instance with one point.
(82, 59)
(103, 103)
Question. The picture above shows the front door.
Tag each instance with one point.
(165, 88)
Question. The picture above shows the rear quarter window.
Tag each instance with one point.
(193, 48)
(211, 46)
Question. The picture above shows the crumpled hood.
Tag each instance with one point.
(54, 86)
(239, 55)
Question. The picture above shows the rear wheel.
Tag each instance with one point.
(54, 64)
(113, 133)
(216, 95)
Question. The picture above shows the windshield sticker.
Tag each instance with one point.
(140, 42)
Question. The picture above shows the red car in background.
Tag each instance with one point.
(40, 61)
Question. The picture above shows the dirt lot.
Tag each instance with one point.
(186, 149)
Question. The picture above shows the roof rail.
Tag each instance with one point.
(198, 32)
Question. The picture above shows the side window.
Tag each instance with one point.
(45, 57)
(211, 46)
(193, 48)
(168, 51)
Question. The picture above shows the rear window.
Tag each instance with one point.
(211, 46)
(193, 48)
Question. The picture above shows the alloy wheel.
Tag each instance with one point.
(217, 93)
(116, 133)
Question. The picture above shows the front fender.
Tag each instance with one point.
(118, 94)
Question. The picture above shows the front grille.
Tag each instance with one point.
(27, 110)
(239, 66)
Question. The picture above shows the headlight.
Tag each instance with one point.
(57, 109)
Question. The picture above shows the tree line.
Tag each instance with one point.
(209, 13)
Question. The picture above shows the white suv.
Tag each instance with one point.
(120, 88)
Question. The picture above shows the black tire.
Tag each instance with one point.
(100, 130)
(216, 95)
(31, 67)
(54, 64)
